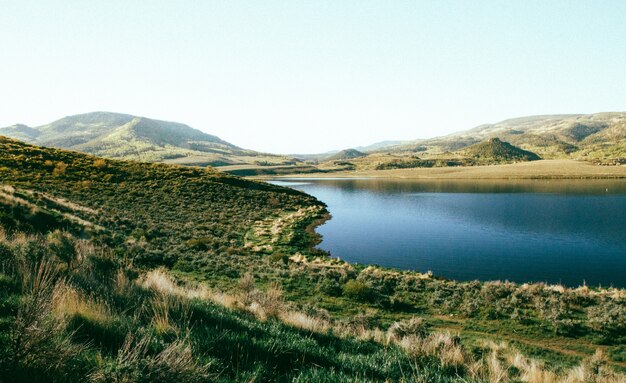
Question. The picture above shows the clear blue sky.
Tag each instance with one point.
(310, 76)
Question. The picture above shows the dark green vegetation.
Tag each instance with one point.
(346, 154)
(496, 151)
(123, 136)
(80, 300)
(245, 171)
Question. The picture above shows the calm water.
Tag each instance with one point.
(566, 232)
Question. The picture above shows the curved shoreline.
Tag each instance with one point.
(314, 221)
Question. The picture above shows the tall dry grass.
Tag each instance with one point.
(37, 337)
(499, 363)
(136, 361)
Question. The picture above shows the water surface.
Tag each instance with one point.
(557, 231)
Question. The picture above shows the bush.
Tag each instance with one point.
(330, 287)
(608, 317)
(61, 244)
(357, 290)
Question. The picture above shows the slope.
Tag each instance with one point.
(179, 214)
(496, 151)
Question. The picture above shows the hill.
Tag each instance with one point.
(123, 136)
(577, 136)
(346, 154)
(496, 151)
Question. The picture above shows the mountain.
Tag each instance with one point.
(580, 136)
(123, 136)
(497, 151)
(346, 154)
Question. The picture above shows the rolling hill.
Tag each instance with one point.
(347, 154)
(123, 136)
(577, 136)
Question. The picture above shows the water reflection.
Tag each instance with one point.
(523, 230)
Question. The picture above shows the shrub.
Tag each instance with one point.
(608, 317)
(61, 244)
(330, 287)
(357, 290)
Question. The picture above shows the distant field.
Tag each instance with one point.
(534, 169)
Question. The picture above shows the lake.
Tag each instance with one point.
(556, 231)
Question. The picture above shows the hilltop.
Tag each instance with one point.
(496, 151)
(123, 136)
(346, 154)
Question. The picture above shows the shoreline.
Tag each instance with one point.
(311, 222)
(542, 169)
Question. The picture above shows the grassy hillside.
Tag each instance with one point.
(597, 136)
(123, 136)
(125, 271)
(172, 215)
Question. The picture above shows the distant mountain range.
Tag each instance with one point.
(124, 136)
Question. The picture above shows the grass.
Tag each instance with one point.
(123, 271)
(153, 328)
(542, 169)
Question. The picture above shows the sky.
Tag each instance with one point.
(311, 76)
